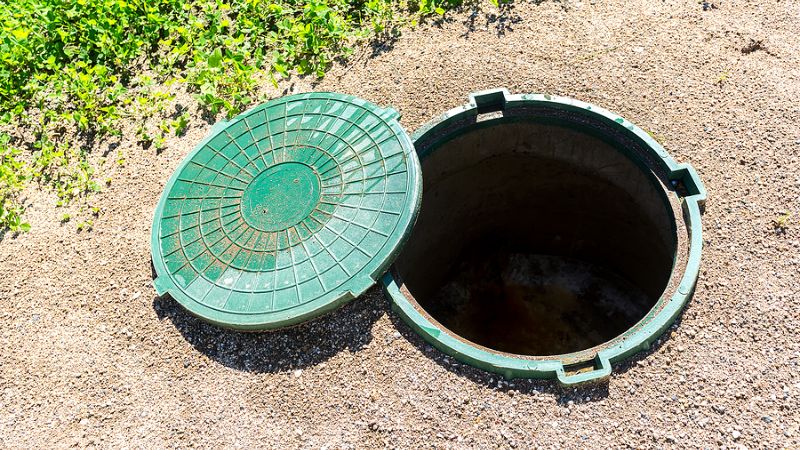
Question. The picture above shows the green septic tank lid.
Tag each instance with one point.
(286, 211)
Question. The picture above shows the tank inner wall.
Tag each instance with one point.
(537, 239)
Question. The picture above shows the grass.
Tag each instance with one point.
(14, 174)
(72, 70)
(781, 224)
(723, 78)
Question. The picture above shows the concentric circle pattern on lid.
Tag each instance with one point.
(287, 211)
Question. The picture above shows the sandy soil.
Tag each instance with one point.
(90, 356)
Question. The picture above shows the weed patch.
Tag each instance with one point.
(70, 70)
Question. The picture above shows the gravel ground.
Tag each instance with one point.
(90, 356)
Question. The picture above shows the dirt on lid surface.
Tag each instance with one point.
(90, 356)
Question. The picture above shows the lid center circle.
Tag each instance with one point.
(281, 196)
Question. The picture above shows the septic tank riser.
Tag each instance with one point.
(488, 106)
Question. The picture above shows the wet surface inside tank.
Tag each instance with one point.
(536, 304)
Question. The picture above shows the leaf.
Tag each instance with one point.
(280, 69)
(20, 33)
(215, 59)
(440, 10)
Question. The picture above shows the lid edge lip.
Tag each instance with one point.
(259, 324)
(165, 284)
